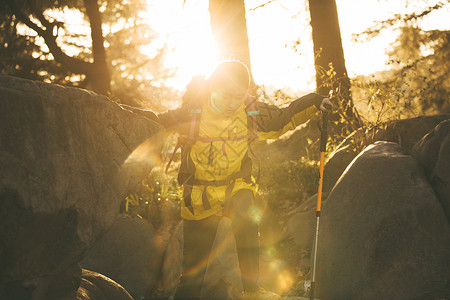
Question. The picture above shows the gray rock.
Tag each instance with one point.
(130, 253)
(433, 153)
(408, 132)
(301, 228)
(171, 264)
(95, 286)
(335, 166)
(383, 233)
(67, 158)
(38, 251)
(301, 225)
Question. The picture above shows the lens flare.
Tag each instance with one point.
(270, 251)
(146, 153)
(220, 251)
(255, 213)
(275, 265)
(285, 281)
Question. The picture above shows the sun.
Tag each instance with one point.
(187, 35)
(193, 52)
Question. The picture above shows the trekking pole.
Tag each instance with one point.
(323, 148)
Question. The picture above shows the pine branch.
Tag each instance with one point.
(398, 18)
(261, 5)
(73, 64)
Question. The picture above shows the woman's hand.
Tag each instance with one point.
(326, 105)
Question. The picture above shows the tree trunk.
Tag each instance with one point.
(98, 75)
(96, 72)
(229, 29)
(328, 50)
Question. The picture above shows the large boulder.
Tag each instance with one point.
(383, 233)
(433, 153)
(130, 253)
(301, 223)
(171, 265)
(407, 132)
(335, 166)
(67, 159)
(300, 142)
(38, 251)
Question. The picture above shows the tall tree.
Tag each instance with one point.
(98, 74)
(328, 52)
(94, 44)
(229, 29)
(33, 14)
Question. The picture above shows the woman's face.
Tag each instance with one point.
(228, 100)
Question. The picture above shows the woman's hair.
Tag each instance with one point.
(230, 74)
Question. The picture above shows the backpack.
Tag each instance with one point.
(187, 168)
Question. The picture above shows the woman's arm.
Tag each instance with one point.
(143, 112)
(273, 121)
(171, 119)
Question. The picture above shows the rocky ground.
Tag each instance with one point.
(69, 157)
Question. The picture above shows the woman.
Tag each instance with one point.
(217, 122)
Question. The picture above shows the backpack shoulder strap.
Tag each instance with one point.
(252, 128)
(252, 113)
(195, 115)
(195, 122)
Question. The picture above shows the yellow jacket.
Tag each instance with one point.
(215, 159)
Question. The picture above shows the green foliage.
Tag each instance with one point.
(419, 83)
(345, 118)
(157, 199)
(136, 78)
(422, 59)
(402, 20)
(292, 181)
(24, 53)
(21, 56)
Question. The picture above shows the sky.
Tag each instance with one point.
(273, 29)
